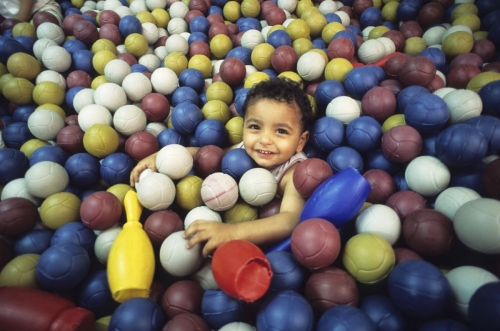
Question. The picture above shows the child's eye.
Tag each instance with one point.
(282, 131)
(253, 127)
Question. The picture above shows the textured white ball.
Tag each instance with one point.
(288, 5)
(176, 259)
(380, 220)
(116, 70)
(150, 32)
(51, 31)
(56, 58)
(40, 45)
(153, 4)
(257, 186)
(389, 45)
(237, 326)
(427, 175)
(155, 128)
(178, 9)
(328, 7)
(452, 198)
(443, 91)
(136, 86)
(83, 98)
(219, 191)
(45, 124)
(311, 66)
(150, 61)
(103, 243)
(343, 108)
(434, 36)
(138, 6)
(110, 95)
(201, 213)
(252, 38)
(51, 76)
(174, 160)
(371, 50)
(177, 43)
(129, 119)
(46, 178)
(156, 191)
(463, 105)
(164, 80)
(16, 188)
(205, 277)
(94, 114)
(177, 25)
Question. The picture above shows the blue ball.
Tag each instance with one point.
(348, 34)
(74, 45)
(364, 134)
(436, 56)
(197, 36)
(489, 20)
(356, 29)
(485, 7)
(400, 181)
(371, 16)
(191, 141)
(139, 68)
(489, 126)
(236, 162)
(22, 113)
(358, 81)
(65, 5)
(16, 134)
(311, 151)
(484, 306)
(83, 169)
(94, 294)
(288, 274)
(116, 167)
(72, 10)
(239, 100)
(13, 164)
(82, 60)
(429, 145)
(320, 44)
(8, 34)
(408, 94)
(444, 324)
(377, 160)
(383, 313)
(419, 289)
(90, 19)
(332, 18)
(326, 91)
(448, 11)
(185, 94)
(327, 133)
(378, 72)
(129, 24)
(170, 136)
(248, 23)
(211, 132)
(219, 309)
(70, 95)
(242, 53)
(217, 7)
(470, 177)
(428, 114)
(390, 25)
(408, 9)
(48, 153)
(85, 193)
(71, 188)
(345, 318)
(199, 24)
(9, 46)
(137, 314)
(75, 233)
(193, 78)
(27, 43)
(203, 99)
(62, 267)
(186, 117)
(490, 96)
(345, 157)
(285, 311)
(278, 38)
(461, 145)
(34, 242)
(270, 72)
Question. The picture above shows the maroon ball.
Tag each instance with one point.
(161, 224)
(459, 76)
(405, 254)
(315, 243)
(183, 296)
(141, 144)
(311, 88)
(485, 49)
(109, 17)
(266, 7)
(467, 58)
(217, 78)
(91, 13)
(428, 232)
(359, 6)
(411, 29)
(284, 58)
(491, 67)
(18, 216)
(78, 78)
(491, 179)
(406, 202)
(6, 253)
(436, 83)
(233, 29)
(129, 58)
(348, 10)
(156, 291)
(401, 144)
(232, 71)
(69, 22)
(393, 65)
(9, 23)
(71, 120)
(275, 16)
(215, 18)
(161, 41)
(200, 5)
(382, 183)
(208, 160)
(397, 38)
(392, 85)
(270, 208)
(218, 28)
(156, 107)
(341, 48)
(112, 33)
(430, 14)
(309, 174)
(379, 103)
(100, 210)
(42, 17)
(418, 70)
(199, 47)
(330, 287)
(356, 22)
(86, 32)
(70, 139)
(185, 322)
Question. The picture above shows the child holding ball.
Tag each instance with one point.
(277, 115)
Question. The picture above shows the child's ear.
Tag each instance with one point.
(304, 137)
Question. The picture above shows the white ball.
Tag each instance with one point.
(136, 86)
(111, 4)
(265, 32)
(40, 45)
(434, 36)
(56, 58)
(45, 124)
(150, 32)
(17, 188)
(51, 76)
(153, 4)
(177, 43)
(371, 50)
(46, 178)
(427, 175)
(477, 225)
(138, 6)
(150, 61)
(257, 186)
(443, 77)
(178, 9)
(311, 66)
(366, 32)
(219, 191)
(162, 32)
(238, 326)
(100, 5)
(160, 52)
(328, 7)
(156, 191)
(129, 119)
(205, 277)
(155, 128)
(288, 21)
(252, 38)
(380, 220)
(176, 26)
(463, 105)
(51, 31)
(174, 160)
(442, 92)
(110, 95)
(343, 108)
(176, 259)
(94, 114)
(249, 69)
(452, 198)
(83, 98)
(103, 243)
(344, 17)
(123, 11)
(388, 44)
(288, 5)
(164, 80)
(116, 70)
(464, 282)
(90, 4)
(456, 28)
(201, 213)
(216, 66)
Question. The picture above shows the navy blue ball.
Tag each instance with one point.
(400, 181)
(364, 134)
(75, 233)
(137, 314)
(242, 53)
(436, 56)
(408, 9)
(90, 19)
(116, 168)
(470, 177)
(139, 68)
(327, 91)
(378, 72)
(429, 145)
(485, 7)
(72, 10)
(355, 29)
(9, 46)
(82, 60)
(193, 78)
(71, 188)
(333, 18)
(444, 324)
(345, 318)
(348, 2)
(239, 100)
(461, 145)
(48, 153)
(345, 157)
(16, 134)
(13, 164)
(248, 23)
(428, 114)
(22, 113)
(489, 20)
(94, 294)
(408, 94)
(448, 11)
(236, 162)
(484, 306)
(285, 311)
(34, 242)
(288, 274)
(65, 5)
(311, 151)
(348, 34)
(489, 126)
(219, 309)
(203, 99)
(320, 44)
(185, 94)
(27, 43)
(327, 133)
(186, 117)
(278, 38)
(199, 24)
(197, 36)
(8, 34)
(358, 81)
(85, 193)
(270, 72)
(371, 16)
(191, 141)
(83, 169)
(211, 132)
(216, 8)
(170, 136)
(490, 96)
(129, 24)
(390, 25)
(377, 160)
(383, 313)
(70, 95)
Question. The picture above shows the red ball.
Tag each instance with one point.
(270, 208)
(112, 33)
(330, 287)
(86, 32)
(266, 7)
(485, 49)
(218, 28)
(236, 39)
(183, 296)
(379, 103)
(405, 254)
(341, 48)
(191, 15)
(71, 120)
(359, 6)
(309, 174)
(9, 23)
(429, 232)
(397, 38)
(156, 107)
(141, 144)
(70, 139)
(78, 78)
(419, 70)
(208, 160)
(348, 10)
(392, 85)
(491, 179)
(109, 17)
(185, 322)
(200, 5)
(160, 224)
(215, 18)
(401, 144)
(393, 65)
(18, 216)
(42, 17)
(315, 243)
(100, 210)
(232, 71)
(233, 29)
(467, 58)
(275, 16)
(69, 22)
(436, 83)
(459, 76)
(199, 47)
(411, 29)
(383, 185)
(284, 58)
(430, 14)
(156, 291)
(406, 202)
(161, 41)
(311, 88)
(129, 58)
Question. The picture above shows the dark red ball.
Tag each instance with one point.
(100, 210)
(341, 48)
(411, 29)
(284, 58)
(270, 208)
(444, 3)
(156, 291)
(9, 23)
(359, 6)
(185, 322)
(71, 120)
(232, 71)
(141, 144)
(199, 47)
(161, 41)
(17, 216)
(418, 70)
(183, 296)
(459, 76)
(397, 38)
(266, 7)
(309, 174)
(70, 139)
(392, 85)
(129, 58)
(348, 10)
(379, 103)
(6, 252)
(86, 32)
(78, 78)
(382, 183)
(275, 16)
(42, 16)
(161, 224)
(218, 28)
(491, 179)
(208, 160)
(485, 49)
(69, 22)
(401, 143)
(233, 29)
(200, 5)
(491, 67)
(393, 65)
(215, 18)
(406, 202)
(467, 58)
(156, 107)
(112, 33)
(405, 254)
(109, 17)
(430, 14)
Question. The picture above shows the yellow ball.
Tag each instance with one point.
(52, 107)
(478, 81)
(337, 69)
(302, 46)
(220, 45)
(368, 258)
(457, 43)
(32, 145)
(275, 28)
(23, 65)
(78, 3)
(20, 271)
(168, 122)
(99, 80)
(255, 78)
(320, 52)
(234, 129)
(201, 63)
(48, 92)
(292, 75)
(250, 8)
(392, 121)
(231, 11)
(102, 324)
(220, 91)
(188, 192)
(3, 69)
(414, 46)
(101, 58)
(480, 35)
(389, 1)
(470, 20)
(303, 5)
(146, 17)
(330, 30)
(4, 79)
(119, 191)
(316, 23)
(18, 90)
(161, 16)
(308, 12)
(261, 56)
(377, 32)
(101, 140)
(462, 9)
(240, 212)
(136, 44)
(176, 61)
(103, 44)
(216, 109)
(298, 28)
(59, 209)
(389, 11)
(377, 4)
(314, 106)
(24, 29)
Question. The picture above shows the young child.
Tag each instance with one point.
(277, 116)
(24, 9)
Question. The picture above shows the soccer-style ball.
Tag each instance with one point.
(116, 167)
(83, 98)
(258, 186)
(311, 66)
(46, 178)
(116, 70)
(176, 61)
(51, 76)
(164, 80)
(56, 58)
(93, 114)
(176, 25)
(45, 124)
(156, 191)
(101, 140)
(219, 191)
(427, 175)
(150, 61)
(261, 56)
(110, 95)
(51, 31)
(129, 119)
(176, 259)
(174, 160)
(252, 38)
(40, 45)
(201, 213)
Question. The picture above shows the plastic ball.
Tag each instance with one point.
(343, 108)
(100, 140)
(417, 71)
(457, 43)
(345, 157)
(20, 271)
(219, 191)
(74, 233)
(103, 243)
(371, 50)
(257, 186)
(188, 192)
(100, 210)
(346, 317)
(287, 272)
(176, 259)
(309, 174)
(383, 312)
(115, 168)
(46, 178)
(378, 103)
(401, 144)
(125, 316)
(19, 215)
(156, 191)
(427, 113)
(359, 81)
(327, 133)
(463, 105)
(18, 90)
(482, 307)
(363, 134)
(50, 31)
(182, 297)
(450, 145)
(182, 165)
(380, 220)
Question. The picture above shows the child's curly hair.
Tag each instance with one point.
(282, 90)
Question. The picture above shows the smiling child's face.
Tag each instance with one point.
(272, 132)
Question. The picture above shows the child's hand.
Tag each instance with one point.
(148, 162)
(214, 233)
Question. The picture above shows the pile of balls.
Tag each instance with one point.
(407, 92)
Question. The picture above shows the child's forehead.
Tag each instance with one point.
(291, 106)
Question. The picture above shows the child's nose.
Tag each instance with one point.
(265, 138)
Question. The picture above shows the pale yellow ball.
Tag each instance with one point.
(330, 30)
(231, 11)
(255, 78)
(176, 61)
(261, 56)
(202, 63)
(298, 28)
(302, 45)
(337, 69)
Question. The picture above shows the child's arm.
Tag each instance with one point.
(25, 8)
